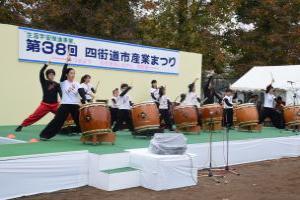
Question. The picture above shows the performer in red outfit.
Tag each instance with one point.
(51, 89)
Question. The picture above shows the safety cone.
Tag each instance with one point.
(33, 140)
(11, 136)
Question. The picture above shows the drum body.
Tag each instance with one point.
(185, 116)
(292, 115)
(212, 113)
(145, 116)
(94, 118)
(246, 114)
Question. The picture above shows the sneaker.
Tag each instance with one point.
(19, 129)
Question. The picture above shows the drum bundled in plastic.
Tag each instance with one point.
(168, 144)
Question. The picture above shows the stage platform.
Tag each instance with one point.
(63, 143)
(64, 162)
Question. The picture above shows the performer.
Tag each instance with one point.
(192, 98)
(154, 91)
(114, 106)
(124, 112)
(268, 108)
(164, 108)
(88, 88)
(228, 108)
(279, 104)
(209, 91)
(71, 93)
(50, 89)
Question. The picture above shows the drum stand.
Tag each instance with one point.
(98, 138)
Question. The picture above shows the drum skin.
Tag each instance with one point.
(185, 116)
(145, 116)
(214, 111)
(95, 118)
(246, 114)
(292, 115)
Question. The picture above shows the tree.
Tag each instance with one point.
(13, 12)
(275, 38)
(194, 26)
(103, 18)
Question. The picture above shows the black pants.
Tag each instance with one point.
(228, 117)
(57, 122)
(276, 117)
(199, 117)
(114, 115)
(165, 115)
(123, 116)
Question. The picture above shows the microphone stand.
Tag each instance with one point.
(227, 128)
(294, 101)
(210, 169)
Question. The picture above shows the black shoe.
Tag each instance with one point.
(43, 139)
(19, 128)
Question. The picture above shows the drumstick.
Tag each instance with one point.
(176, 99)
(203, 100)
(272, 77)
(96, 88)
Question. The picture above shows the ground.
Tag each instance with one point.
(268, 180)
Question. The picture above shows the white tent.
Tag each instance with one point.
(258, 78)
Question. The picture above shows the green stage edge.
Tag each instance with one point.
(63, 143)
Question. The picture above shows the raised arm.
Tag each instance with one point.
(207, 84)
(64, 70)
(125, 91)
(64, 73)
(42, 74)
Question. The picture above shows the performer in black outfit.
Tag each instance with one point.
(51, 89)
(71, 93)
(164, 108)
(124, 112)
(228, 108)
(209, 92)
(269, 110)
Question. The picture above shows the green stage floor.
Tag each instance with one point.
(63, 143)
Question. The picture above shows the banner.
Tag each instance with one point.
(42, 46)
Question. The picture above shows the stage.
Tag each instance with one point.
(64, 162)
(63, 143)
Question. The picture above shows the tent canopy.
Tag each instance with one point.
(258, 78)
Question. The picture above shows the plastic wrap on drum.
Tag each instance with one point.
(168, 144)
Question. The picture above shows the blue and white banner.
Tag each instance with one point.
(42, 46)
